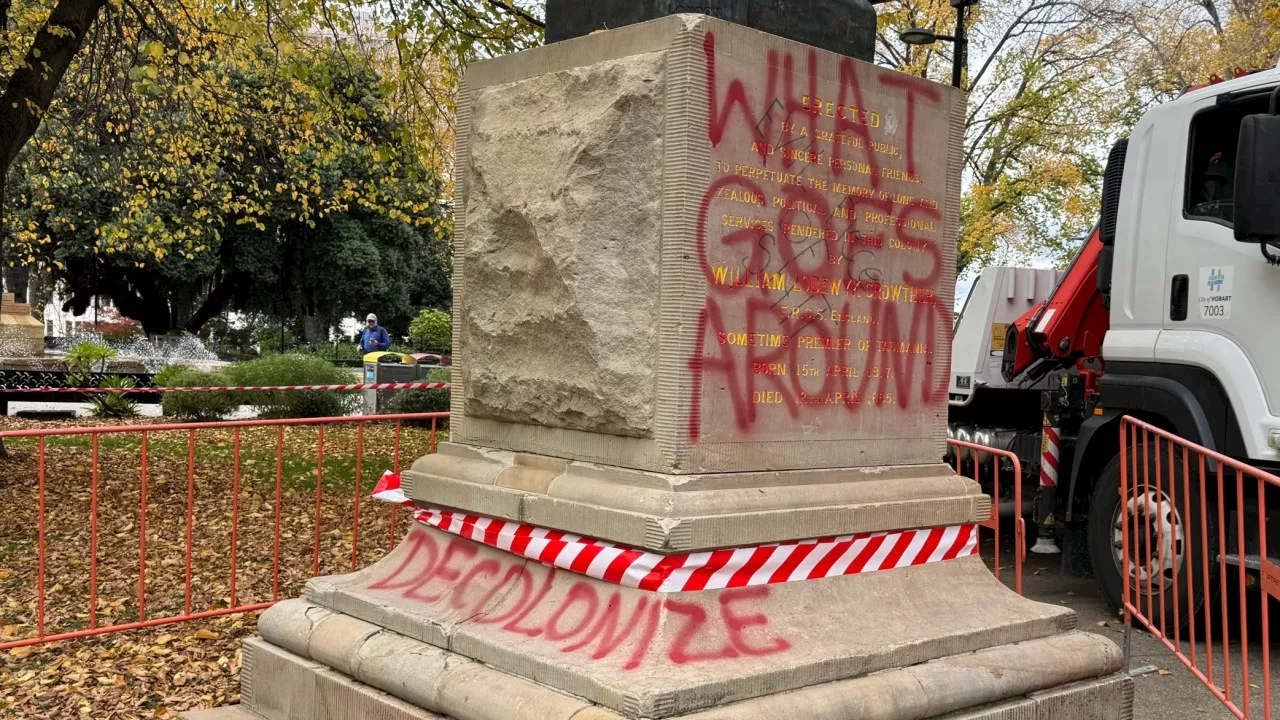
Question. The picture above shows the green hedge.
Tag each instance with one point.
(293, 369)
(203, 406)
(266, 371)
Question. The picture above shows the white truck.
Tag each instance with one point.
(1144, 323)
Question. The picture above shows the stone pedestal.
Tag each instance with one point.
(847, 27)
(20, 334)
(703, 280)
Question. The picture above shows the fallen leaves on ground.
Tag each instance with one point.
(127, 675)
(159, 671)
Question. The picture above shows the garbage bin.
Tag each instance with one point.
(386, 367)
(370, 397)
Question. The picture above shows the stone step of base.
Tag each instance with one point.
(231, 712)
(281, 685)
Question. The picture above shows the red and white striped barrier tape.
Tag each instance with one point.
(356, 386)
(767, 564)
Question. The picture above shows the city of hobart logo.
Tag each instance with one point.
(1216, 278)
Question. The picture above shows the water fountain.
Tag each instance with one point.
(143, 355)
(28, 360)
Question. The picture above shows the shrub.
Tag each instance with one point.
(118, 331)
(202, 406)
(293, 369)
(168, 375)
(342, 352)
(83, 357)
(424, 401)
(433, 328)
(269, 340)
(113, 405)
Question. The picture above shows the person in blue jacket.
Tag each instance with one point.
(374, 337)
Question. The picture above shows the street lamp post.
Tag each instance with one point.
(925, 36)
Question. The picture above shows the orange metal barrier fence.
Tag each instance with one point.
(1170, 491)
(979, 460)
(138, 521)
(124, 527)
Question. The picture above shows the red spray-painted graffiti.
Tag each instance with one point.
(834, 303)
(523, 598)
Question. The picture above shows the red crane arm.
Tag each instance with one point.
(1067, 327)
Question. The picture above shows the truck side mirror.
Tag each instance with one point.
(1257, 191)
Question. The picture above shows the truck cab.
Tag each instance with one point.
(1190, 305)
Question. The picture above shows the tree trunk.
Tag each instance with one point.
(39, 288)
(146, 305)
(4, 229)
(4, 243)
(31, 87)
(212, 305)
(314, 330)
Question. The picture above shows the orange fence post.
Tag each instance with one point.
(275, 555)
(1270, 581)
(355, 517)
(1191, 576)
(235, 512)
(40, 541)
(1244, 615)
(142, 535)
(93, 539)
(319, 493)
(1222, 578)
(1204, 553)
(395, 468)
(191, 512)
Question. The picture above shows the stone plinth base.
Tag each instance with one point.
(293, 688)
(448, 627)
(668, 513)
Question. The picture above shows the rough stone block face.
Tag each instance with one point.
(687, 246)
(554, 251)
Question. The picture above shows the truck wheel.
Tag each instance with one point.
(1174, 529)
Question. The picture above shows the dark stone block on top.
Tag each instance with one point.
(847, 27)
